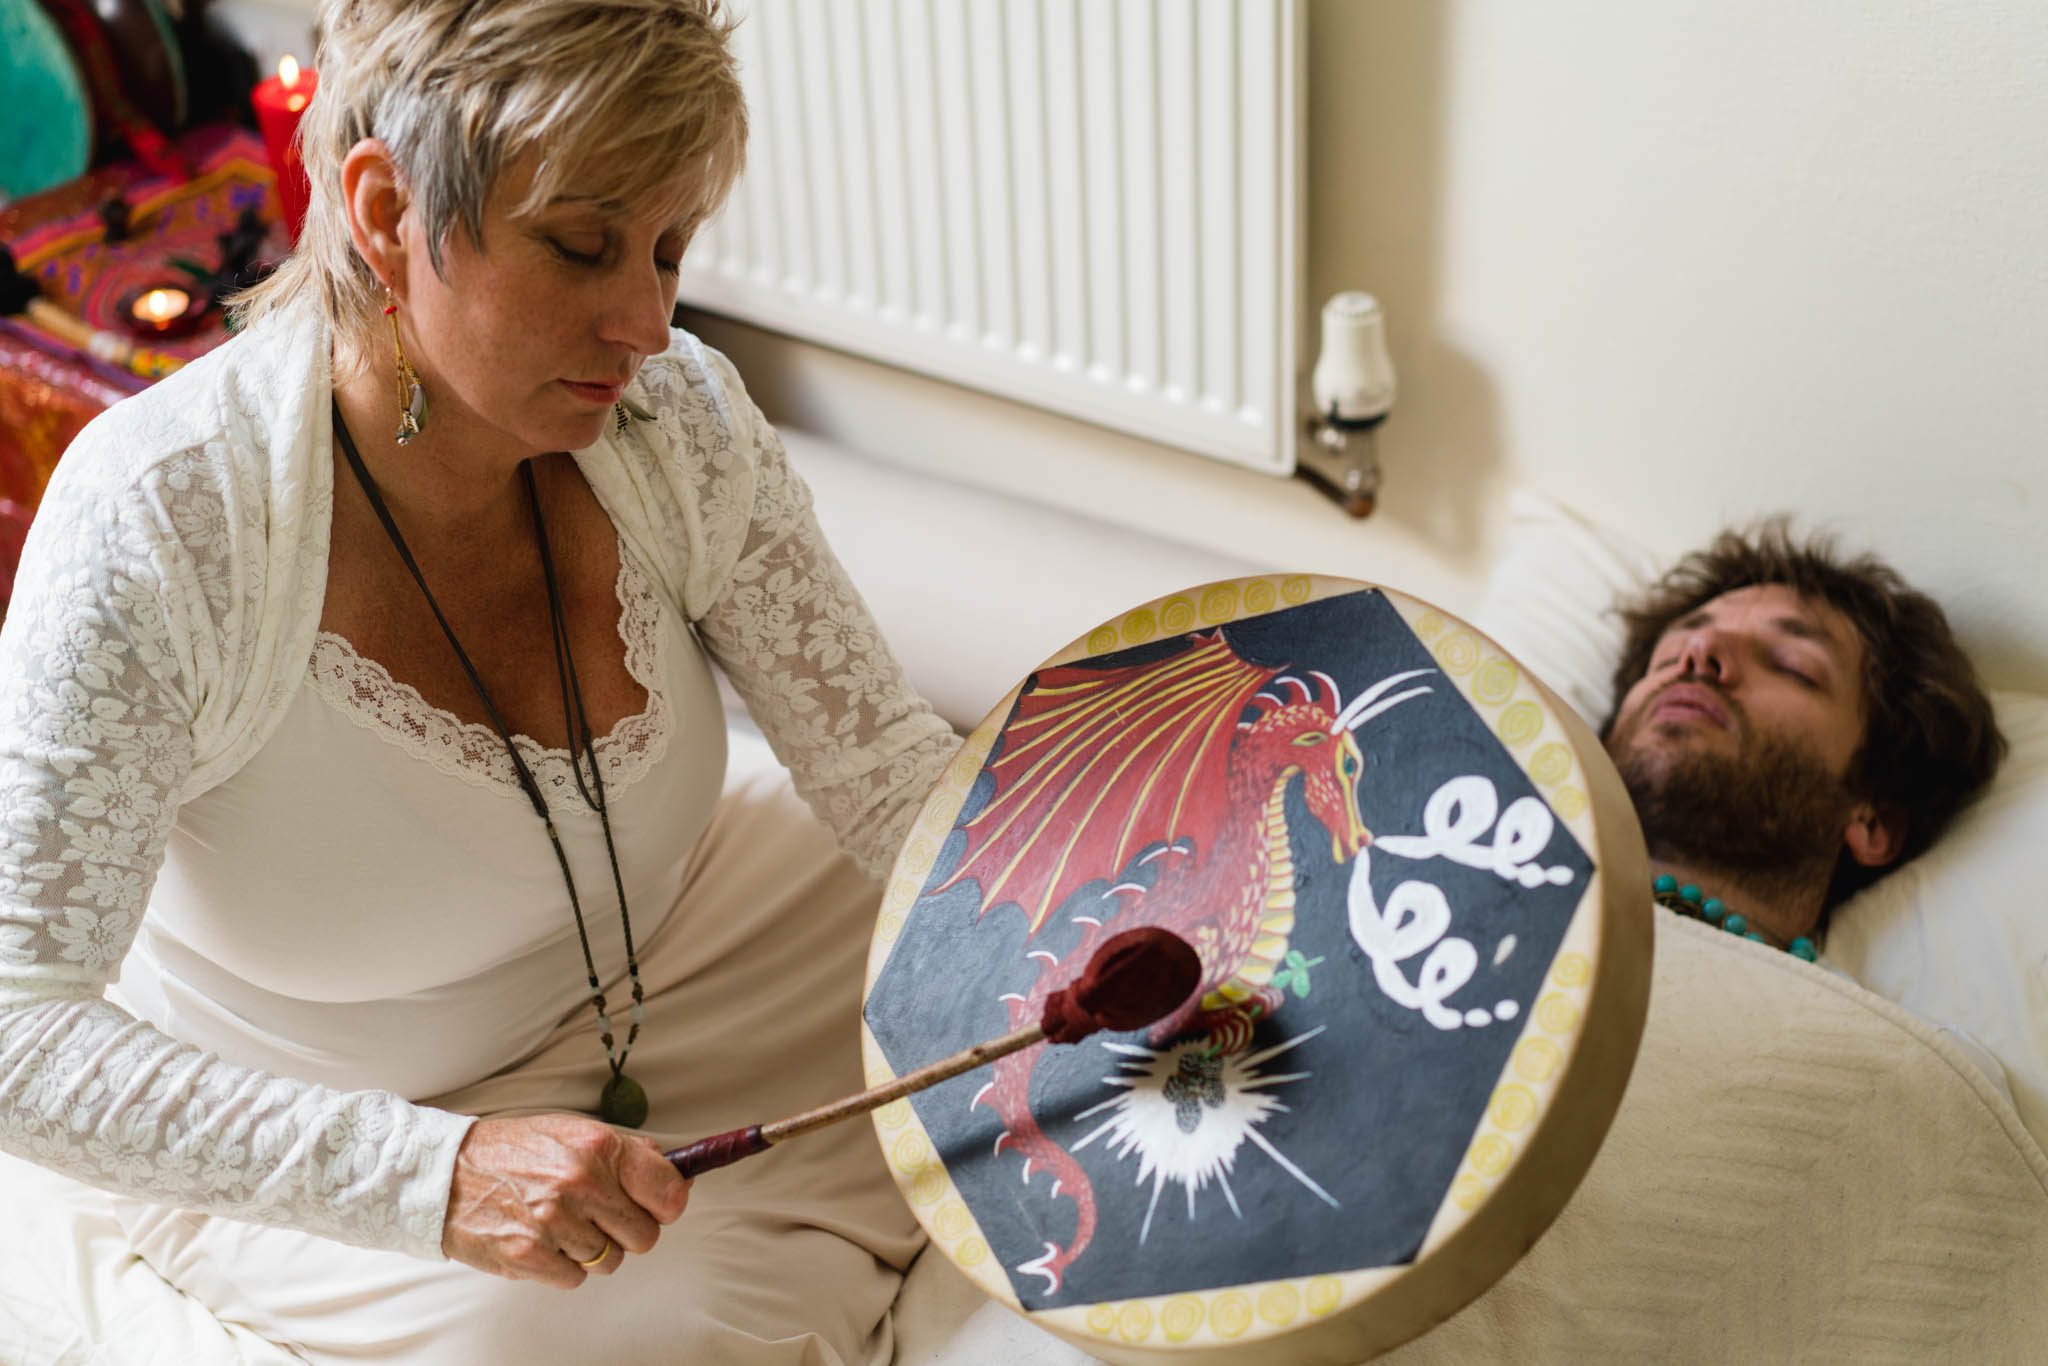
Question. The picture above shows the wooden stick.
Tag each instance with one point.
(108, 346)
(1134, 978)
(708, 1154)
(931, 1074)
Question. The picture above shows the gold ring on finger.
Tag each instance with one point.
(602, 1253)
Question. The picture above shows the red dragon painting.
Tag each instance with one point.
(1180, 766)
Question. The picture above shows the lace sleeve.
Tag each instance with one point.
(95, 747)
(799, 645)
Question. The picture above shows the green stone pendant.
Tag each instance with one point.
(622, 1102)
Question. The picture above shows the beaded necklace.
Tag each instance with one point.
(622, 1101)
(1689, 902)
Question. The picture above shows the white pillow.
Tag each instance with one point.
(1959, 936)
(1549, 599)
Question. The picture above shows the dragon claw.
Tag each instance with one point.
(1231, 1037)
(1230, 1031)
(1047, 1265)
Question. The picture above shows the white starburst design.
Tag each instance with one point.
(1186, 1112)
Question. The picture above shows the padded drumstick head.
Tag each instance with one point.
(1135, 978)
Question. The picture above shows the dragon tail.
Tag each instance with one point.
(1007, 1096)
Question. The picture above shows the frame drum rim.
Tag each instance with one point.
(1507, 1192)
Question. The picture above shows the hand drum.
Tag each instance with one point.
(1417, 891)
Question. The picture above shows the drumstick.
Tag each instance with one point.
(1135, 978)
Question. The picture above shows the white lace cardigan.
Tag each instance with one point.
(164, 615)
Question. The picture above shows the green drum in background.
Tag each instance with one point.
(46, 125)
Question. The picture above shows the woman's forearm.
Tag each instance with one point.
(90, 1091)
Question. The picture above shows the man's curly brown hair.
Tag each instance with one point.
(1930, 740)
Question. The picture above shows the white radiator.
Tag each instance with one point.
(1091, 206)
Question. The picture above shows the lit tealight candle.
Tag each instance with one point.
(159, 308)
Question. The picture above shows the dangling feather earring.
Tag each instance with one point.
(412, 395)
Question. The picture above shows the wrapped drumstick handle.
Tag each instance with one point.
(111, 347)
(1135, 978)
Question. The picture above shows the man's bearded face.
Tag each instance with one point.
(1737, 742)
(1770, 805)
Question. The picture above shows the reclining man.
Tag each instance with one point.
(1798, 1170)
(1790, 725)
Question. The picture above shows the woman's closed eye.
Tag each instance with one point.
(577, 256)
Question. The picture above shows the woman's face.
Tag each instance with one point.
(533, 331)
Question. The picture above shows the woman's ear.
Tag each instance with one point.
(375, 200)
(1876, 833)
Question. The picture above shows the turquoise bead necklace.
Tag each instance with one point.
(1688, 901)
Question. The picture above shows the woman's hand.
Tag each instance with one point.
(536, 1198)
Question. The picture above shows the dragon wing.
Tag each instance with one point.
(1099, 763)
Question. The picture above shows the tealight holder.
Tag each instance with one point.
(163, 310)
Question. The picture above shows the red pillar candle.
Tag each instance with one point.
(280, 100)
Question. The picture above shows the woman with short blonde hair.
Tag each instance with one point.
(356, 713)
(626, 103)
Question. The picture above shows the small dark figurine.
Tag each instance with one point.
(240, 248)
(240, 253)
(240, 266)
(115, 216)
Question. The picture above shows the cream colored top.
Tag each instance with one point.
(370, 902)
(154, 673)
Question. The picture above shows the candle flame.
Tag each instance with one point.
(288, 69)
(161, 305)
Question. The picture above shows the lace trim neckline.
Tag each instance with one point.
(364, 691)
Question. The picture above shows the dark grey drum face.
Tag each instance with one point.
(1375, 889)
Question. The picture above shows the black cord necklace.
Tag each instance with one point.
(622, 1101)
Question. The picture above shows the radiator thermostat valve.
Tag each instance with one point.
(1352, 390)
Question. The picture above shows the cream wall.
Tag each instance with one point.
(1674, 263)
(1678, 262)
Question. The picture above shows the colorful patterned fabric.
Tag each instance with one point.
(48, 388)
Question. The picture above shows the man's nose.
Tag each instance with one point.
(1709, 653)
